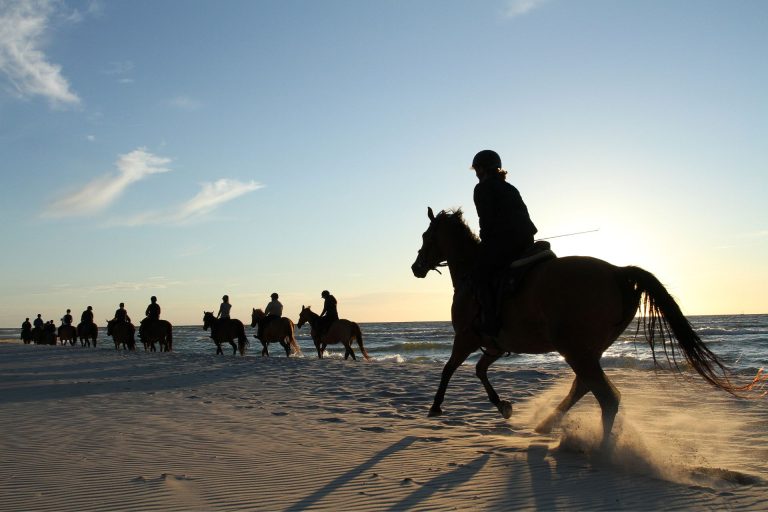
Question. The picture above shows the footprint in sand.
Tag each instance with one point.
(279, 413)
(332, 419)
(374, 429)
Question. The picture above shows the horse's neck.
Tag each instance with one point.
(460, 263)
(313, 317)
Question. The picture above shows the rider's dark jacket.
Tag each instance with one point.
(153, 311)
(87, 317)
(505, 226)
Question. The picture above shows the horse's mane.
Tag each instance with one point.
(258, 310)
(455, 218)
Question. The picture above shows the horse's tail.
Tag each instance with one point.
(295, 348)
(242, 339)
(169, 336)
(663, 321)
(358, 334)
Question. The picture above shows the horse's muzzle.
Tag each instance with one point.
(419, 269)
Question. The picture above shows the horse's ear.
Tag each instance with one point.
(430, 214)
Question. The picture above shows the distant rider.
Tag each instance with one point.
(273, 310)
(67, 319)
(152, 314)
(121, 315)
(26, 329)
(329, 314)
(86, 318)
(39, 322)
(224, 308)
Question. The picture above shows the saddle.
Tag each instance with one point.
(513, 275)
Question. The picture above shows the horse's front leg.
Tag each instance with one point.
(265, 349)
(481, 370)
(462, 347)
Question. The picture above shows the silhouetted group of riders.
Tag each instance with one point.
(46, 332)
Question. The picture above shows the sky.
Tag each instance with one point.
(191, 149)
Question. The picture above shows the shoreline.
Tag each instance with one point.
(96, 430)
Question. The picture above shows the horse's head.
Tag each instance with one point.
(304, 316)
(256, 315)
(431, 255)
(208, 319)
(447, 237)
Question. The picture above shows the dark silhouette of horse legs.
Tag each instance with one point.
(481, 370)
(460, 352)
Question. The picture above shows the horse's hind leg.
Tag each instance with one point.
(481, 370)
(594, 378)
(459, 354)
(578, 390)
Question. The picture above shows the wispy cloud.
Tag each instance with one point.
(97, 195)
(152, 283)
(184, 102)
(23, 25)
(118, 67)
(517, 8)
(214, 195)
(206, 201)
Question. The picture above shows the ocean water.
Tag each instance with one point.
(741, 341)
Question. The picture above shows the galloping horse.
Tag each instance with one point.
(226, 330)
(279, 330)
(122, 333)
(157, 331)
(341, 331)
(574, 305)
(67, 333)
(87, 332)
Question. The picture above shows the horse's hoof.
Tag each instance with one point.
(505, 408)
(435, 410)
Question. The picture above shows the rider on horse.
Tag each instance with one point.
(67, 318)
(152, 314)
(329, 314)
(273, 310)
(86, 318)
(121, 315)
(506, 232)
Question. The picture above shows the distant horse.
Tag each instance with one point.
(67, 333)
(575, 305)
(26, 335)
(44, 335)
(279, 330)
(123, 333)
(341, 331)
(226, 330)
(87, 332)
(157, 331)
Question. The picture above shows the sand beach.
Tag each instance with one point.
(102, 430)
